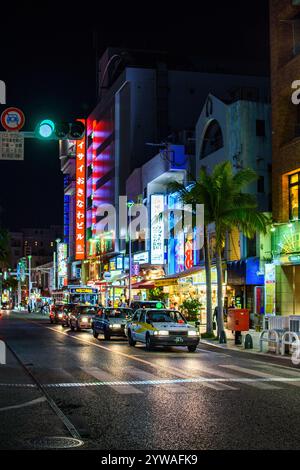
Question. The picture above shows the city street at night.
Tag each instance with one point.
(119, 397)
(149, 233)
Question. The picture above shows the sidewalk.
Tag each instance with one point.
(240, 348)
(24, 314)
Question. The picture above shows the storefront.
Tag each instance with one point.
(246, 279)
(191, 284)
(286, 267)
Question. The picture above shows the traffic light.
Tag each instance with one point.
(48, 130)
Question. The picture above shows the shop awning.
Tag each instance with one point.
(171, 279)
(143, 285)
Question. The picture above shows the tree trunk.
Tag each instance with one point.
(209, 317)
(221, 330)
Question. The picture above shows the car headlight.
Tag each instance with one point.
(84, 319)
(192, 333)
(161, 333)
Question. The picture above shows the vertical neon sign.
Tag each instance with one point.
(80, 198)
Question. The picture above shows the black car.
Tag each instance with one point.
(111, 322)
(136, 304)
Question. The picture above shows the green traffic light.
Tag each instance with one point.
(46, 129)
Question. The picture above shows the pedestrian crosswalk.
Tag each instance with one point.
(133, 380)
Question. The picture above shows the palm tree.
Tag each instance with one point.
(230, 207)
(227, 207)
(192, 195)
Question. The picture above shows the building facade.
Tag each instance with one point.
(285, 66)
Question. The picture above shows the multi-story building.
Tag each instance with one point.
(285, 66)
(239, 131)
(143, 99)
(39, 243)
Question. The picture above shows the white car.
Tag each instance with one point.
(161, 327)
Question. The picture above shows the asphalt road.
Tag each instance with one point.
(117, 397)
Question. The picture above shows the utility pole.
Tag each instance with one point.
(29, 275)
(54, 270)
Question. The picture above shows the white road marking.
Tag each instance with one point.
(18, 385)
(201, 380)
(227, 375)
(257, 373)
(124, 388)
(24, 405)
(141, 374)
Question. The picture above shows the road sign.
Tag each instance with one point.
(11, 146)
(12, 119)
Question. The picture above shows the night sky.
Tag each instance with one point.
(48, 61)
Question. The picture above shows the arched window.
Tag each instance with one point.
(213, 139)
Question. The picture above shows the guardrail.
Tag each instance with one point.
(273, 337)
(281, 339)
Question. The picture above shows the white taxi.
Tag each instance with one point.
(161, 327)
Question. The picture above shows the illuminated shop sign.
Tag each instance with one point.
(80, 199)
(270, 288)
(189, 254)
(62, 254)
(157, 229)
(141, 258)
(179, 253)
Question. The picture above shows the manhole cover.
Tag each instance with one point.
(55, 442)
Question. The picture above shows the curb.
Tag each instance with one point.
(246, 351)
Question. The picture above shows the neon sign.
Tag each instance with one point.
(80, 199)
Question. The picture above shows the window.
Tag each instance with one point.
(294, 195)
(260, 128)
(213, 139)
(261, 184)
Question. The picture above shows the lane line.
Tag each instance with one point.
(18, 385)
(24, 405)
(257, 373)
(147, 376)
(106, 377)
(201, 380)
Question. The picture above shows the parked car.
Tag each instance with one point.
(82, 316)
(111, 322)
(161, 327)
(135, 304)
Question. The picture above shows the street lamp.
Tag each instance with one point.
(29, 274)
(55, 264)
(130, 204)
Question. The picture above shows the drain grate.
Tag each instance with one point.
(55, 442)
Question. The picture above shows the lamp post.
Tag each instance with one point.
(130, 204)
(55, 264)
(29, 275)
